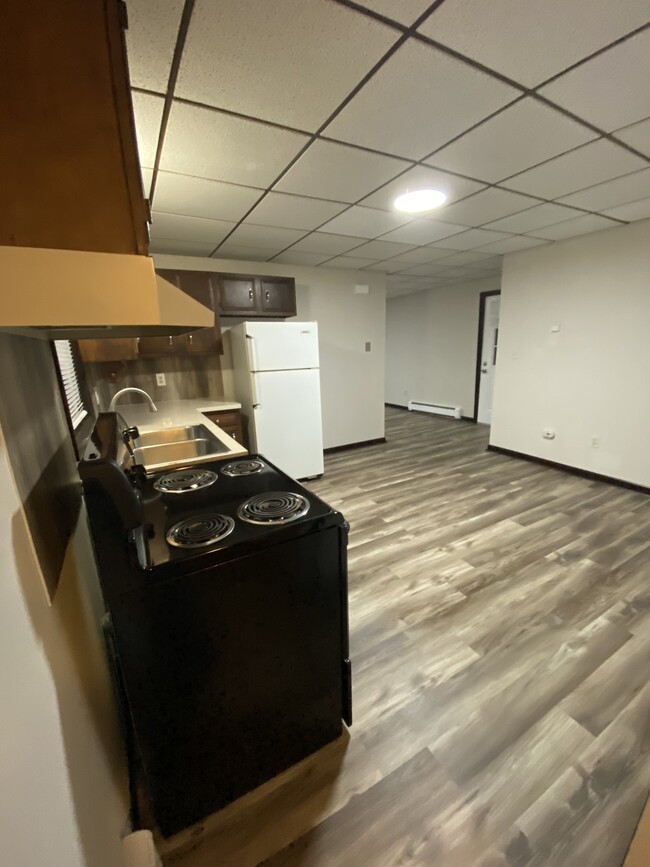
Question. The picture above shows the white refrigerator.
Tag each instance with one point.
(277, 381)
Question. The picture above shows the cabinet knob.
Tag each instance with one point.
(190, 338)
(266, 295)
(171, 340)
(250, 294)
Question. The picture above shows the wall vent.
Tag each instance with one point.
(435, 408)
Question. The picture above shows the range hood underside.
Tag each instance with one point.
(72, 295)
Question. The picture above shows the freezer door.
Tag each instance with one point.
(282, 345)
(287, 420)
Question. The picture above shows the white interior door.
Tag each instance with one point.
(287, 418)
(488, 358)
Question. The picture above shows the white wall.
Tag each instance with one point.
(431, 342)
(592, 377)
(352, 380)
(62, 795)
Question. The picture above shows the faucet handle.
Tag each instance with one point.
(130, 433)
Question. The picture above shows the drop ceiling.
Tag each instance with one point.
(282, 131)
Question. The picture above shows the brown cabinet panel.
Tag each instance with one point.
(255, 297)
(114, 349)
(278, 296)
(230, 422)
(237, 294)
(150, 346)
(198, 284)
(71, 174)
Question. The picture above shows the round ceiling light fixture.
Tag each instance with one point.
(417, 201)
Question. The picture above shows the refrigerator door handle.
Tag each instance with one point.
(250, 352)
(255, 400)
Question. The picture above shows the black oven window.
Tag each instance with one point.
(75, 395)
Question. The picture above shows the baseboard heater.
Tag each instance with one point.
(435, 408)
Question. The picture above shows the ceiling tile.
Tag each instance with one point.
(511, 245)
(295, 257)
(249, 235)
(620, 191)
(532, 41)
(403, 11)
(147, 112)
(427, 270)
(289, 61)
(294, 212)
(591, 164)
(209, 144)
(533, 218)
(330, 245)
(518, 137)
(347, 262)
(577, 226)
(198, 197)
(400, 112)
(633, 211)
(417, 256)
(488, 263)
(473, 238)
(637, 135)
(466, 257)
(365, 222)
(340, 172)
(151, 40)
(195, 229)
(611, 90)
(381, 249)
(418, 178)
(486, 206)
(423, 231)
(239, 251)
(179, 248)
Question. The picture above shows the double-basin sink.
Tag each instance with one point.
(176, 445)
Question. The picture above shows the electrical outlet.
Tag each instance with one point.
(595, 442)
(160, 379)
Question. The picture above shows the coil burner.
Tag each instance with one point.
(199, 532)
(242, 468)
(275, 507)
(185, 481)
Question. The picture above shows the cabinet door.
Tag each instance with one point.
(113, 349)
(72, 174)
(152, 346)
(277, 296)
(236, 294)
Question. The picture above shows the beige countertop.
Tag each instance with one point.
(180, 413)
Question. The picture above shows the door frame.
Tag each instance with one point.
(479, 347)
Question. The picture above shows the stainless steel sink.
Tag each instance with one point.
(175, 446)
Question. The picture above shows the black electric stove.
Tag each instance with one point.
(226, 590)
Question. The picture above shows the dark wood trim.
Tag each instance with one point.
(479, 347)
(575, 471)
(378, 441)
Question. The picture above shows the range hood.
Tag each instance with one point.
(70, 295)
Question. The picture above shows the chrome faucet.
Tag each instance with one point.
(118, 394)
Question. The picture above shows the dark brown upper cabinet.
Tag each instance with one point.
(71, 175)
(252, 297)
(200, 286)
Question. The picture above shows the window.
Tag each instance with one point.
(74, 391)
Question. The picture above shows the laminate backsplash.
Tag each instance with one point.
(186, 377)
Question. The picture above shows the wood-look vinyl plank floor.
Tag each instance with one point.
(500, 635)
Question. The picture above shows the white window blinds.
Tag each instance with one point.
(70, 382)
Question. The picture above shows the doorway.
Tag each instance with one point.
(486, 356)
